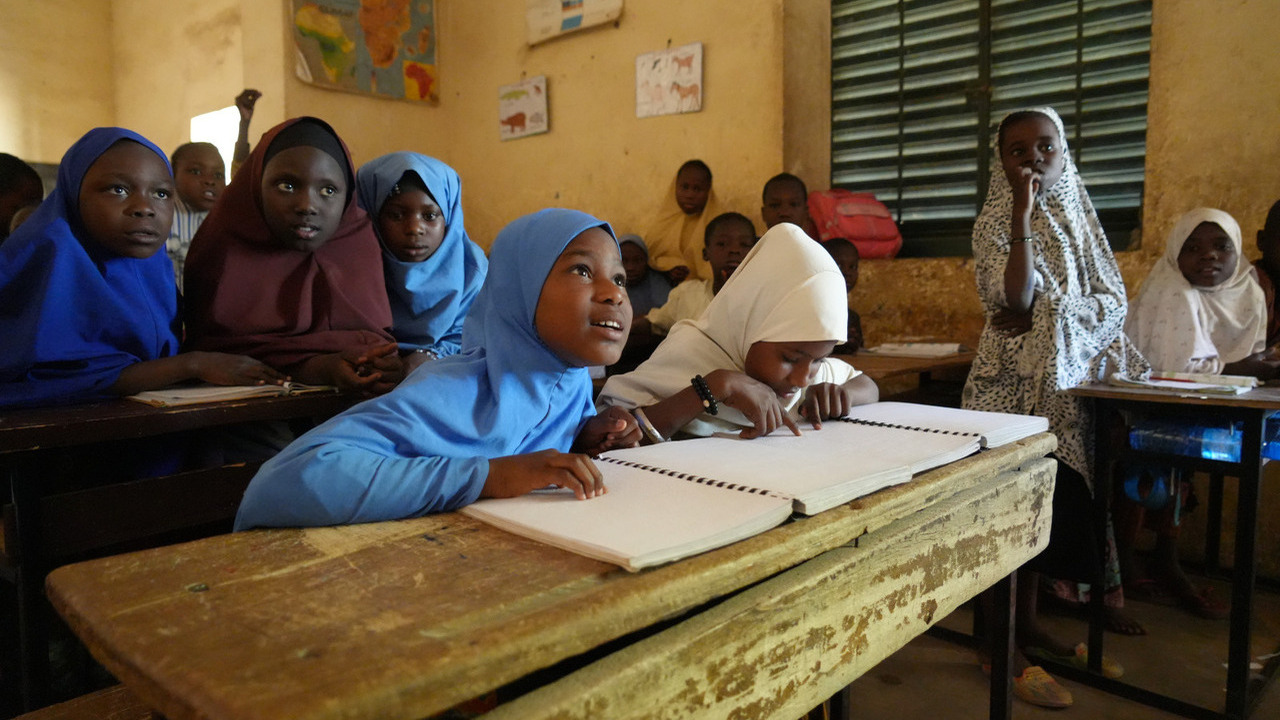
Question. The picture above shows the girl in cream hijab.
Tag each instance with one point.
(1201, 310)
(757, 358)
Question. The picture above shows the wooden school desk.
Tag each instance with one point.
(41, 528)
(406, 619)
(1249, 409)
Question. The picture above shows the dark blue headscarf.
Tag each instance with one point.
(425, 446)
(72, 313)
(429, 299)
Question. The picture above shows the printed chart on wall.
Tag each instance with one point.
(522, 108)
(547, 19)
(669, 82)
(379, 47)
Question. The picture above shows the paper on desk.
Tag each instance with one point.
(916, 349)
(1181, 386)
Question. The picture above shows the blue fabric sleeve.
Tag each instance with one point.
(336, 483)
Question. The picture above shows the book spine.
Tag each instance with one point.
(693, 478)
(894, 426)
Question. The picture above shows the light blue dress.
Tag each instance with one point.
(425, 446)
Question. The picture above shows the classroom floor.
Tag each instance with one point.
(1181, 656)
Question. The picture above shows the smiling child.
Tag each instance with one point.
(510, 414)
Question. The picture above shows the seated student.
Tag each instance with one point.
(645, 289)
(287, 268)
(846, 256)
(199, 176)
(786, 199)
(507, 415)
(432, 269)
(682, 219)
(757, 356)
(93, 305)
(1200, 310)
(728, 239)
(1268, 270)
(20, 186)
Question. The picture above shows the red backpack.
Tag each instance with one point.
(857, 217)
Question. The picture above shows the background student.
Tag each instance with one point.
(786, 199)
(646, 289)
(846, 256)
(287, 268)
(94, 306)
(1055, 307)
(199, 177)
(20, 187)
(510, 414)
(432, 269)
(1268, 270)
(757, 356)
(682, 216)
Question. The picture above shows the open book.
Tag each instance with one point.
(676, 499)
(1190, 383)
(195, 394)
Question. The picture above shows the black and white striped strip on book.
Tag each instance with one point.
(895, 426)
(694, 478)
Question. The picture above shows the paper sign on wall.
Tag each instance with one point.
(549, 19)
(522, 108)
(669, 81)
(380, 47)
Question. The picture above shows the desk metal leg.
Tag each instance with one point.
(1244, 573)
(1213, 526)
(1001, 702)
(1103, 467)
(33, 611)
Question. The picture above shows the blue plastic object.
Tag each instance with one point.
(1192, 440)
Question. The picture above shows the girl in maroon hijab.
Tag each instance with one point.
(287, 269)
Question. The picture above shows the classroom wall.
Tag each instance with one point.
(56, 77)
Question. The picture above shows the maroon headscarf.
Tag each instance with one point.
(248, 294)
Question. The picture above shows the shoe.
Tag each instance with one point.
(1037, 687)
(1080, 659)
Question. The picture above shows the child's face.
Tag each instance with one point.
(635, 262)
(411, 225)
(1032, 144)
(1208, 256)
(693, 186)
(784, 202)
(786, 367)
(26, 193)
(126, 200)
(200, 177)
(847, 260)
(583, 313)
(728, 244)
(304, 193)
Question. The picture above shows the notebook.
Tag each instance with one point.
(196, 394)
(672, 500)
(1190, 383)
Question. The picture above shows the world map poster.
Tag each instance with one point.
(380, 47)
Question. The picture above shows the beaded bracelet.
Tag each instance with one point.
(704, 392)
(1029, 238)
(647, 427)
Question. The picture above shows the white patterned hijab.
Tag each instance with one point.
(1183, 327)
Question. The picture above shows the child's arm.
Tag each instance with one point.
(1262, 365)
(824, 401)
(244, 103)
(731, 388)
(211, 367)
(612, 428)
(353, 369)
(1019, 274)
(515, 475)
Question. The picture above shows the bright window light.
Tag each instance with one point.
(220, 128)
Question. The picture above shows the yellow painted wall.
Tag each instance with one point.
(55, 75)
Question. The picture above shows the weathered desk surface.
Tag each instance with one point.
(405, 619)
(880, 367)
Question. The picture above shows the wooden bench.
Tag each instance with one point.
(113, 703)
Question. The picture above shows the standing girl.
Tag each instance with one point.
(433, 270)
(1055, 307)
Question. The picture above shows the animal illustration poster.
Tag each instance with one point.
(547, 19)
(380, 47)
(669, 82)
(522, 108)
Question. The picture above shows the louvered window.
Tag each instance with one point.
(918, 87)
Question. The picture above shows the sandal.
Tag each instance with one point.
(1079, 659)
(1038, 687)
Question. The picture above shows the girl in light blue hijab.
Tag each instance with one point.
(433, 270)
(496, 420)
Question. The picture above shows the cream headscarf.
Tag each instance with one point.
(677, 239)
(1181, 327)
(787, 289)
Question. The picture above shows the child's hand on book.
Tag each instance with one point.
(227, 369)
(613, 428)
(515, 475)
(825, 401)
(385, 362)
(753, 399)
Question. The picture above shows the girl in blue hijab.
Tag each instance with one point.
(433, 270)
(510, 414)
(90, 305)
